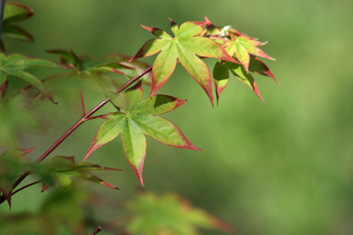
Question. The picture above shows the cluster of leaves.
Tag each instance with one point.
(133, 116)
(194, 41)
(60, 170)
(63, 212)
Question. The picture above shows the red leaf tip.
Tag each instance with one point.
(147, 28)
(207, 21)
(172, 22)
(27, 151)
(257, 92)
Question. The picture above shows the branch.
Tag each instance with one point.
(74, 127)
(2, 6)
(97, 230)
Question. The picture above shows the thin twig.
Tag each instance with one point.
(97, 230)
(83, 104)
(26, 186)
(74, 127)
(2, 7)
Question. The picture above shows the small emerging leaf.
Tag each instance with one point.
(242, 47)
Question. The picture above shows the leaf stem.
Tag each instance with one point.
(26, 186)
(74, 127)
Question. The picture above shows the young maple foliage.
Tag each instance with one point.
(184, 47)
(138, 120)
(237, 53)
(242, 48)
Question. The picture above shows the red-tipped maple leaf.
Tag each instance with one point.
(184, 47)
(138, 120)
(221, 74)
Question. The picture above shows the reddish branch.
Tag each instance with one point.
(26, 186)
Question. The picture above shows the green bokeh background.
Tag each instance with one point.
(274, 168)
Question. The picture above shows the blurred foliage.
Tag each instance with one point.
(68, 210)
(60, 170)
(167, 215)
(15, 117)
(61, 213)
(12, 164)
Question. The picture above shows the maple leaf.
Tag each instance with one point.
(12, 164)
(15, 64)
(13, 13)
(259, 67)
(221, 77)
(184, 47)
(221, 74)
(242, 46)
(62, 169)
(81, 65)
(137, 121)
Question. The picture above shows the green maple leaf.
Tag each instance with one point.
(137, 121)
(259, 67)
(16, 12)
(15, 64)
(62, 170)
(242, 47)
(13, 13)
(221, 77)
(184, 47)
(221, 74)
